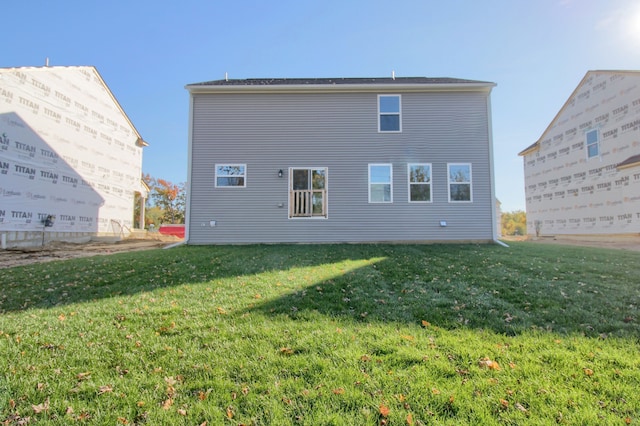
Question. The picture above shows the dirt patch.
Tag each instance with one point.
(60, 250)
(611, 242)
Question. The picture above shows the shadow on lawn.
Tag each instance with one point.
(478, 286)
(60, 283)
(481, 287)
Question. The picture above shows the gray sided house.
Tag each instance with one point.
(340, 160)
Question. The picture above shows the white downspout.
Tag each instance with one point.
(494, 220)
(187, 211)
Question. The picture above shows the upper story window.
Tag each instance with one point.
(419, 183)
(593, 145)
(389, 113)
(231, 175)
(380, 183)
(459, 182)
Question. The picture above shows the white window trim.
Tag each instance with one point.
(470, 183)
(409, 183)
(390, 183)
(387, 113)
(216, 176)
(597, 144)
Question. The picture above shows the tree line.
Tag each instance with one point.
(514, 223)
(165, 204)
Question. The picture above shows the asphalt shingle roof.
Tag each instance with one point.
(336, 81)
(631, 160)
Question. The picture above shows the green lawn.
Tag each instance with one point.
(324, 335)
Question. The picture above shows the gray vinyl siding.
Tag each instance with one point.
(273, 131)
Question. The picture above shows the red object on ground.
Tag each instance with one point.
(177, 230)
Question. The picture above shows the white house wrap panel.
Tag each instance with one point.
(67, 150)
(582, 176)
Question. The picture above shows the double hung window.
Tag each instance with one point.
(419, 182)
(389, 113)
(380, 183)
(593, 146)
(459, 182)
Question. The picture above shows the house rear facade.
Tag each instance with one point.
(340, 160)
(582, 177)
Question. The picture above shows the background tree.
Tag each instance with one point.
(514, 223)
(153, 216)
(168, 198)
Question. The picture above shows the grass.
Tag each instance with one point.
(324, 335)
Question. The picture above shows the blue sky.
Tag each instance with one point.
(147, 51)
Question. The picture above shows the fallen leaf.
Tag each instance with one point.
(407, 337)
(83, 376)
(384, 410)
(182, 412)
(504, 403)
(105, 389)
(426, 323)
(487, 363)
(167, 404)
(202, 396)
(286, 351)
(338, 391)
(229, 413)
(37, 409)
(123, 420)
(221, 311)
(588, 371)
(520, 407)
(409, 419)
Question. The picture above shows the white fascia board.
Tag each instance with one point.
(340, 88)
